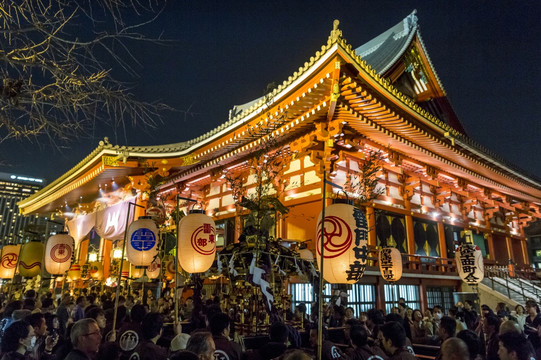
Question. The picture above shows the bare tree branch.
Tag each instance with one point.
(55, 71)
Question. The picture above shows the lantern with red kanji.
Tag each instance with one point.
(469, 263)
(142, 240)
(390, 264)
(196, 248)
(58, 253)
(31, 258)
(345, 243)
(8, 261)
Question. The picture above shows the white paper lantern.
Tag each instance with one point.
(8, 261)
(142, 240)
(390, 264)
(196, 242)
(58, 253)
(345, 244)
(96, 270)
(469, 263)
(137, 271)
(153, 270)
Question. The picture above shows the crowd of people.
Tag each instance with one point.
(82, 327)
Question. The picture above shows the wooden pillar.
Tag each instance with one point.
(524, 248)
(410, 234)
(380, 293)
(238, 227)
(509, 246)
(422, 295)
(443, 245)
(371, 218)
(491, 251)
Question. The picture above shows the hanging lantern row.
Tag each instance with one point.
(345, 245)
(390, 264)
(469, 262)
(196, 246)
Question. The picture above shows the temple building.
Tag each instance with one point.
(344, 107)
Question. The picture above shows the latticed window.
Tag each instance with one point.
(394, 292)
(441, 295)
(391, 231)
(361, 297)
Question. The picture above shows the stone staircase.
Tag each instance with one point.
(516, 289)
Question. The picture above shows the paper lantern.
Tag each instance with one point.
(142, 240)
(168, 265)
(390, 263)
(153, 270)
(74, 272)
(31, 259)
(196, 248)
(137, 271)
(96, 270)
(58, 253)
(469, 263)
(345, 243)
(8, 261)
(125, 269)
(156, 213)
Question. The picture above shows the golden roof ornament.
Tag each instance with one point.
(336, 33)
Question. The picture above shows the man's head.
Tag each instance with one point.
(81, 301)
(491, 324)
(358, 335)
(454, 349)
(468, 304)
(472, 341)
(97, 314)
(219, 324)
(37, 321)
(437, 312)
(278, 332)
(202, 343)
(392, 336)
(514, 346)
(447, 327)
(531, 307)
(151, 326)
(510, 326)
(86, 336)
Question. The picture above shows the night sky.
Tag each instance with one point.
(486, 54)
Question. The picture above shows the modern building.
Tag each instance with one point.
(344, 104)
(15, 188)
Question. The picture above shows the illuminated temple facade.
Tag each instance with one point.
(342, 104)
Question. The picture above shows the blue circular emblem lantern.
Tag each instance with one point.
(142, 241)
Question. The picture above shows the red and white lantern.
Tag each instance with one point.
(469, 263)
(390, 264)
(196, 242)
(156, 213)
(8, 261)
(74, 272)
(142, 240)
(345, 243)
(153, 270)
(58, 253)
(31, 259)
